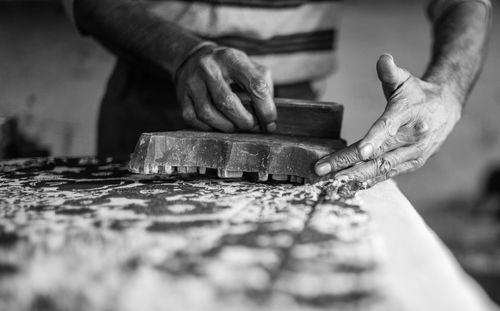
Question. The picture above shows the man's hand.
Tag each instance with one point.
(203, 89)
(420, 114)
(203, 78)
(418, 118)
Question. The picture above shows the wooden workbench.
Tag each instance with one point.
(84, 234)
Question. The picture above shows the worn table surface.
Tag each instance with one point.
(84, 234)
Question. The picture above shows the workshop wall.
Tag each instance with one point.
(50, 77)
(52, 80)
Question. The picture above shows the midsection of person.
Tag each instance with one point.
(294, 39)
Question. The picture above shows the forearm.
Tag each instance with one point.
(460, 37)
(128, 29)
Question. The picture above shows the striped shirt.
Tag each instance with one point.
(295, 39)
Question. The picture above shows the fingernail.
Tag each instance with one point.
(391, 58)
(271, 127)
(366, 151)
(323, 168)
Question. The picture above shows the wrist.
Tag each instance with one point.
(449, 95)
(447, 86)
(452, 99)
(190, 52)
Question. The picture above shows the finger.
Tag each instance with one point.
(410, 166)
(384, 165)
(352, 154)
(383, 132)
(257, 82)
(259, 89)
(206, 112)
(394, 116)
(267, 76)
(189, 115)
(338, 160)
(227, 102)
(271, 127)
(390, 74)
(406, 167)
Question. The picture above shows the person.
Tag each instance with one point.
(179, 63)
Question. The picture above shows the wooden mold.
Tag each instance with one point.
(306, 131)
(285, 158)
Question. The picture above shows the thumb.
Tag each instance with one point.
(390, 74)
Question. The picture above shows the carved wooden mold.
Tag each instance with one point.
(306, 131)
(283, 157)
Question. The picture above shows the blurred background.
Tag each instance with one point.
(51, 82)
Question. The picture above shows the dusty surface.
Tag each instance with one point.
(53, 79)
(84, 234)
(90, 236)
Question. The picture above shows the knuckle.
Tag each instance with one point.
(380, 150)
(341, 160)
(418, 162)
(384, 165)
(226, 102)
(385, 123)
(388, 125)
(229, 53)
(259, 86)
(422, 129)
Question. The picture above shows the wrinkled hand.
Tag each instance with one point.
(207, 101)
(417, 119)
